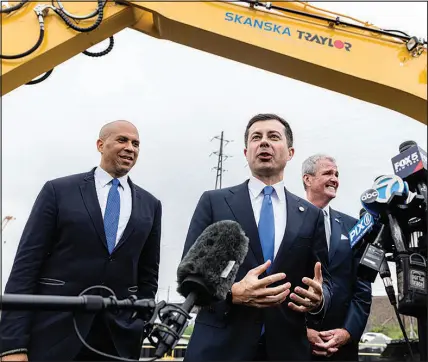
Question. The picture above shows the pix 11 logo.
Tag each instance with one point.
(324, 40)
(361, 228)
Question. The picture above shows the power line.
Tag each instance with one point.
(220, 158)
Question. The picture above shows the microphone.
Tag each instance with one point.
(389, 193)
(361, 229)
(375, 203)
(411, 275)
(364, 225)
(369, 233)
(392, 201)
(365, 236)
(205, 275)
(393, 192)
(411, 165)
(373, 255)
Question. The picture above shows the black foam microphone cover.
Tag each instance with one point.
(210, 266)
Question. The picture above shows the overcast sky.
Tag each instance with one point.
(180, 98)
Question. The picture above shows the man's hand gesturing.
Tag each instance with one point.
(312, 298)
(254, 292)
(17, 357)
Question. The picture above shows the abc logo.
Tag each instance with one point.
(369, 195)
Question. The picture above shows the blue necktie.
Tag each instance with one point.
(267, 226)
(267, 229)
(111, 215)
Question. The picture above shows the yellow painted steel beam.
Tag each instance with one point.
(367, 66)
(20, 31)
(358, 63)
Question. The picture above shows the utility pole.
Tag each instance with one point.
(5, 221)
(221, 157)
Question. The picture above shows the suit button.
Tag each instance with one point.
(110, 258)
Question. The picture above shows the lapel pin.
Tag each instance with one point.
(301, 208)
(337, 220)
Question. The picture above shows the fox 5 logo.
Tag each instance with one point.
(406, 162)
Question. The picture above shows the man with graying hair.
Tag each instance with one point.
(338, 336)
(96, 228)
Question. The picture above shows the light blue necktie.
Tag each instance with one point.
(267, 226)
(111, 215)
(267, 229)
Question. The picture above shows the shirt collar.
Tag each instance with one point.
(324, 209)
(256, 187)
(104, 178)
(327, 210)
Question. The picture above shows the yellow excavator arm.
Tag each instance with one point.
(294, 39)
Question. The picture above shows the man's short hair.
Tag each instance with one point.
(309, 166)
(268, 117)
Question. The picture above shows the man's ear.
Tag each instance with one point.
(307, 180)
(100, 145)
(290, 153)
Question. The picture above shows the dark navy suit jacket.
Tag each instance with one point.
(231, 333)
(350, 305)
(63, 250)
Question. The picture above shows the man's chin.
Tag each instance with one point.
(331, 196)
(265, 169)
(122, 171)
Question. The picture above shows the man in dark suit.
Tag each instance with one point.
(287, 248)
(94, 228)
(338, 336)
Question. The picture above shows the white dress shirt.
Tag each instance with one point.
(103, 185)
(255, 188)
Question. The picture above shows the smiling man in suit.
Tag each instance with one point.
(338, 336)
(287, 251)
(94, 228)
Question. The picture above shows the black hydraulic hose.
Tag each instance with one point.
(40, 11)
(29, 51)
(104, 52)
(97, 23)
(336, 21)
(41, 79)
(13, 8)
(396, 31)
(72, 16)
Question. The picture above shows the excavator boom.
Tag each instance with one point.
(291, 39)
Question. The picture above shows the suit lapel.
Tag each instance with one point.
(240, 204)
(136, 198)
(90, 199)
(336, 232)
(295, 216)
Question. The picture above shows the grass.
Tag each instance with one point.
(393, 331)
(188, 331)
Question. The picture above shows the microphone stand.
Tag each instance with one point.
(96, 303)
(385, 274)
(85, 303)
